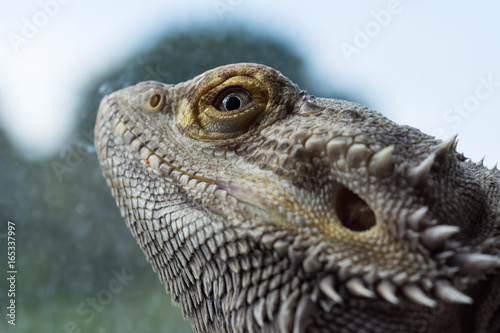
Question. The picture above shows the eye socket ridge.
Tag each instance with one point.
(233, 99)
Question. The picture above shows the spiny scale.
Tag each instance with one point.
(435, 236)
(415, 294)
(356, 286)
(477, 263)
(302, 312)
(327, 286)
(416, 220)
(420, 173)
(388, 291)
(448, 293)
(381, 161)
(447, 145)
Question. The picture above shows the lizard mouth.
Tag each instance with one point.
(353, 212)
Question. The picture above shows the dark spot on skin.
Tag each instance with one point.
(264, 166)
(278, 171)
(269, 144)
(283, 147)
(301, 171)
(251, 149)
(349, 113)
(259, 157)
(240, 150)
(272, 158)
(290, 107)
(299, 153)
(274, 132)
(287, 163)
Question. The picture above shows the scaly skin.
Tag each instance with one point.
(265, 209)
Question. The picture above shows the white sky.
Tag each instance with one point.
(424, 59)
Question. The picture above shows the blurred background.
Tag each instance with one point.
(434, 67)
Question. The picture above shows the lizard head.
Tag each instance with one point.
(257, 201)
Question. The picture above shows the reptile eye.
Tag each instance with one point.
(232, 107)
(233, 100)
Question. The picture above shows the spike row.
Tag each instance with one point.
(382, 162)
(443, 290)
(432, 236)
(419, 174)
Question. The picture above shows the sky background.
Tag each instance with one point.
(434, 66)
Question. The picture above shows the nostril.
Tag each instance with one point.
(353, 212)
(155, 102)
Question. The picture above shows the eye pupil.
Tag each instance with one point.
(232, 102)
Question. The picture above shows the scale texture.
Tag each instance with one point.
(265, 209)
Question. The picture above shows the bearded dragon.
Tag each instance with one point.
(265, 209)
